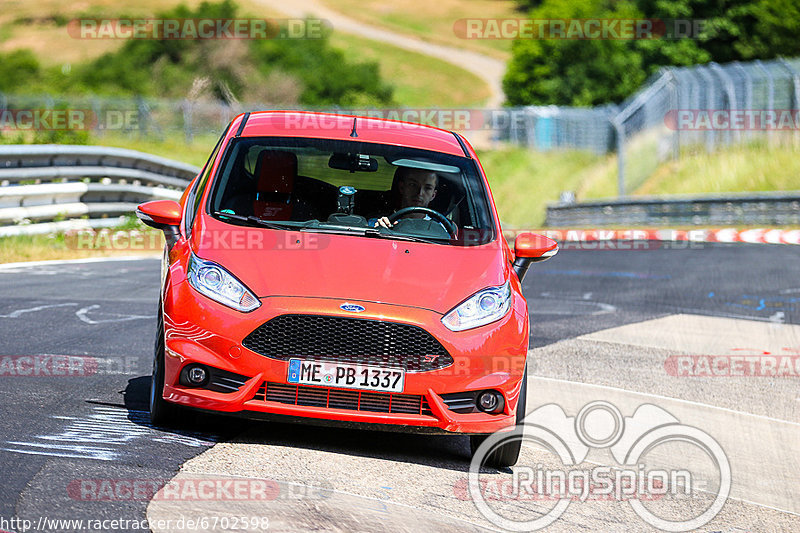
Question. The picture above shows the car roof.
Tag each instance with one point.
(331, 126)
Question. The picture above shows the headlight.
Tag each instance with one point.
(213, 281)
(481, 308)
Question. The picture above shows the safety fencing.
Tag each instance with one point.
(704, 106)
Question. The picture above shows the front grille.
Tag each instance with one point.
(352, 400)
(349, 340)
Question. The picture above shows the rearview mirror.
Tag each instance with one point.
(530, 248)
(353, 162)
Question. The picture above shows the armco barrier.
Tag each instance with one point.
(46, 188)
(769, 209)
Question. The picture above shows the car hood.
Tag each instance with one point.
(307, 264)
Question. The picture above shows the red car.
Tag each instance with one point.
(343, 270)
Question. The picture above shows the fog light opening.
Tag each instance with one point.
(490, 401)
(197, 375)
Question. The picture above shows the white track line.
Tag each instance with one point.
(24, 264)
(670, 398)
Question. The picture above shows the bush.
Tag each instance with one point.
(593, 71)
(232, 68)
(304, 71)
(17, 69)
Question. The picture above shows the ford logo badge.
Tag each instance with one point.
(353, 308)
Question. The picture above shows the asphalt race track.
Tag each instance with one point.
(607, 325)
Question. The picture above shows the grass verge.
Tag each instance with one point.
(419, 80)
(434, 21)
(523, 182)
(142, 241)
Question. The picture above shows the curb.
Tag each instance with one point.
(722, 235)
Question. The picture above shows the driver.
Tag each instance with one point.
(415, 187)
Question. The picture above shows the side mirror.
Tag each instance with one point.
(530, 248)
(164, 215)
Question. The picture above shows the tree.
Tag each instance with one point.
(590, 72)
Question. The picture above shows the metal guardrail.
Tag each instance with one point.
(86, 186)
(772, 209)
(38, 155)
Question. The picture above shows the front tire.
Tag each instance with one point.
(162, 412)
(507, 453)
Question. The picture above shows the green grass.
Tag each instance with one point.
(747, 168)
(60, 246)
(743, 168)
(172, 146)
(524, 182)
(433, 21)
(418, 80)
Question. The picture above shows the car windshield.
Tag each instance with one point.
(347, 186)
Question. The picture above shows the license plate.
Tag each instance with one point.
(345, 375)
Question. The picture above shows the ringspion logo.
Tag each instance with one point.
(630, 441)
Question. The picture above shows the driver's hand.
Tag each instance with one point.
(384, 223)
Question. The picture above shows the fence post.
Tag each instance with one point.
(727, 84)
(711, 136)
(141, 108)
(513, 133)
(694, 101)
(748, 92)
(796, 98)
(186, 107)
(98, 115)
(620, 129)
(770, 93)
(673, 106)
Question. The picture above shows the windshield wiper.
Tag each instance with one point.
(406, 237)
(318, 227)
(271, 224)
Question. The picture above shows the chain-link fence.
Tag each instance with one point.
(149, 118)
(705, 107)
(552, 127)
(701, 107)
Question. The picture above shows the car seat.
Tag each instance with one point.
(275, 174)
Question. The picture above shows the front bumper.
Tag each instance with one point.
(198, 330)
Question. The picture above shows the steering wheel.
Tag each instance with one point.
(446, 222)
